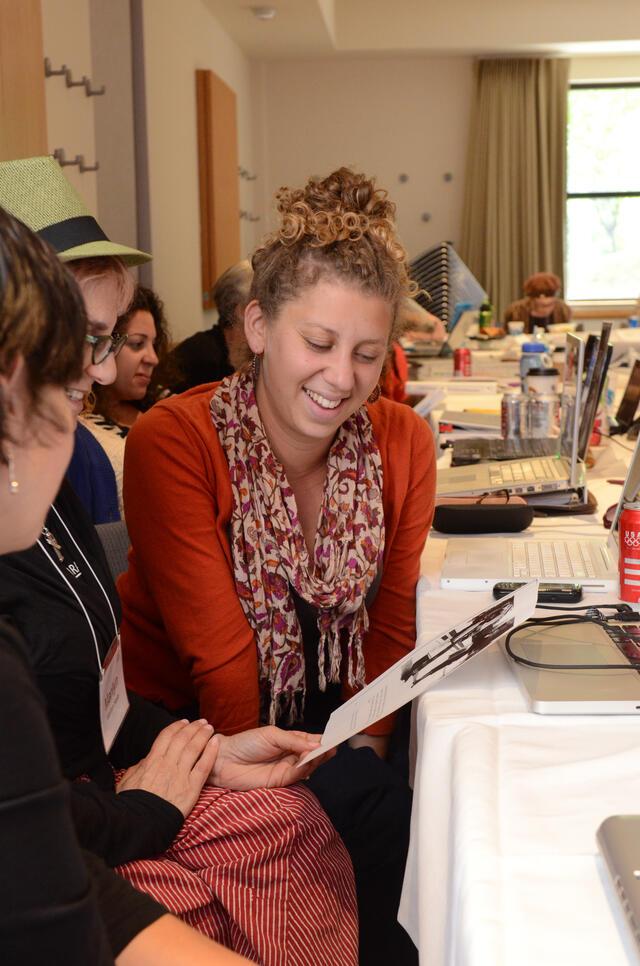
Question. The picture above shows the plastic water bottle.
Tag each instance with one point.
(485, 316)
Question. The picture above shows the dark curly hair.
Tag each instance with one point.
(144, 300)
(341, 226)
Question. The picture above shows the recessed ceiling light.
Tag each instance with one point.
(264, 13)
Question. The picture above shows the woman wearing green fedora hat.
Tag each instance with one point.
(211, 826)
(57, 904)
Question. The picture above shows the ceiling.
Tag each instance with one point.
(329, 28)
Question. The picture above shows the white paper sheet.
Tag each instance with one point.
(426, 665)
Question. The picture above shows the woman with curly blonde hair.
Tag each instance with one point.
(292, 506)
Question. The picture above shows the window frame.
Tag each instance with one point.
(622, 303)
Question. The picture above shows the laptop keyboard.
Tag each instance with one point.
(566, 559)
(527, 472)
(472, 450)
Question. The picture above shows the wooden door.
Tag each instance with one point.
(218, 179)
(23, 119)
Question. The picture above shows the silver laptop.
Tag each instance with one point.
(572, 691)
(477, 563)
(619, 842)
(538, 475)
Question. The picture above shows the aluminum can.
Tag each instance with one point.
(629, 552)
(543, 414)
(511, 415)
(462, 362)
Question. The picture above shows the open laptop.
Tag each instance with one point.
(618, 840)
(589, 688)
(475, 449)
(563, 471)
(477, 563)
(626, 412)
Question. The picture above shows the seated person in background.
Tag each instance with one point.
(294, 507)
(49, 912)
(211, 355)
(200, 821)
(418, 325)
(395, 375)
(541, 305)
(118, 405)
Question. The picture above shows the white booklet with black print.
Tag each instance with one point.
(426, 665)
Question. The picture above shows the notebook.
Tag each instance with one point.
(477, 563)
(546, 474)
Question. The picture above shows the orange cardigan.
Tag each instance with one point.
(185, 636)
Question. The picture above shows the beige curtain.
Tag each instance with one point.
(514, 208)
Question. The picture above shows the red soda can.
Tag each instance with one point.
(462, 362)
(629, 552)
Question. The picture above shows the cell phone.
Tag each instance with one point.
(547, 593)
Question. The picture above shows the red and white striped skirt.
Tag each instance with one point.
(264, 873)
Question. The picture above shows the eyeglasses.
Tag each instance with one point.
(103, 345)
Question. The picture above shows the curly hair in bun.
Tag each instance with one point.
(339, 227)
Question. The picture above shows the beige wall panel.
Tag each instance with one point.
(179, 39)
(70, 113)
(385, 116)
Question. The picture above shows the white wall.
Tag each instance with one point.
(605, 68)
(385, 116)
(178, 39)
(111, 54)
(70, 113)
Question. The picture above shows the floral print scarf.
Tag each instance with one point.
(270, 555)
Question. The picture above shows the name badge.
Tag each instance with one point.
(114, 702)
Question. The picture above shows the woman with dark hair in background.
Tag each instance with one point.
(118, 405)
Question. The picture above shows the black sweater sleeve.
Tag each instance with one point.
(47, 910)
(125, 911)
(140, 728)
(133, 824)
(121, 827)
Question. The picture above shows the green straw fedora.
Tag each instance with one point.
(36, 191)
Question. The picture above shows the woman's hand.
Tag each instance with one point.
(264, 758)
(177, 766)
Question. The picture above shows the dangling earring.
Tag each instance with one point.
(14, 485)
(255, 366)
(90, 401)
(375, 395)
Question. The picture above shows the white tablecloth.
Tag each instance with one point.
(502, 866)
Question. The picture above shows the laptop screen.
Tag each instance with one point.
(571, 399)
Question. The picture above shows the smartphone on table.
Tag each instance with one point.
(547, 593)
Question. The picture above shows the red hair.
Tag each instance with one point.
(542, 283)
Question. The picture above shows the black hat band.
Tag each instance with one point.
(73, 232)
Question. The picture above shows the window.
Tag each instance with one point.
(603, 193)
